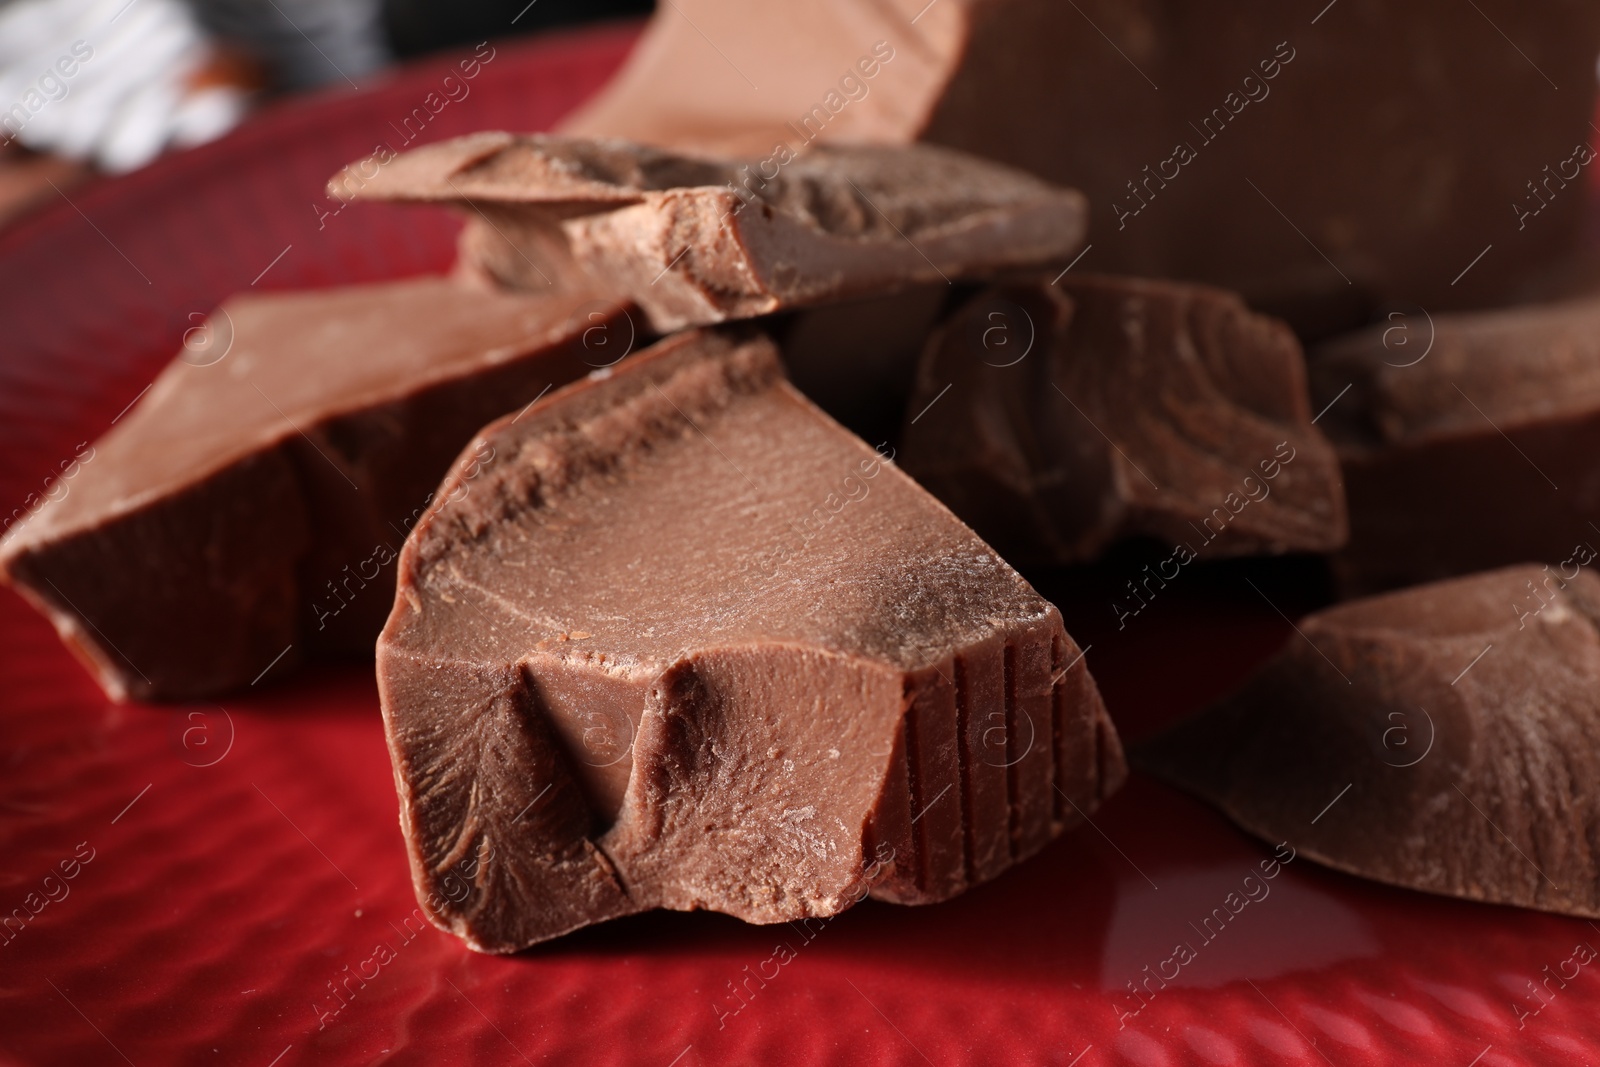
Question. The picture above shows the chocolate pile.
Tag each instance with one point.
(664, 634)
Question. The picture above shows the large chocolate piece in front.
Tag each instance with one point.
(1059, 418)
(1444, 738)
(1467, 441)
(684, 642)
(1318, 161)
(247, 512)
(697, 241)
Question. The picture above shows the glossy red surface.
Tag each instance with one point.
(240, 893)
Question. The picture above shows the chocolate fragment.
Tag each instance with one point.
(1320, 169)
(696, 241)
(1467, 441)
(685, 643)
(1444, 738)
(247, 512)
(1059, 418)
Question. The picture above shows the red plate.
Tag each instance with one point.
(239, 892)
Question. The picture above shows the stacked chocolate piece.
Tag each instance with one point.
(658, 632)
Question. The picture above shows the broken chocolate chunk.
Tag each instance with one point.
(1059, 418)
(696, 241)
(1444, 738)
(683, 642)
(247, 512)
(1320, 169)
(1467, 441)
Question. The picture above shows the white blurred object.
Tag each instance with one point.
(206, 114)
(113, 81)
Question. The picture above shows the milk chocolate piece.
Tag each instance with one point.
(1444, 738)
(1467, 441)
(247, 511)
(1059, 418)
(1317, 168)
(684, 642)
(697, 241)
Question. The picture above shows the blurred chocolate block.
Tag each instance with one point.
(1443, 738)
(695, 241)
(1467, 440)
(857, 360)
(1059, 418)
(247, 512)
(1321, 162)
(683, 642)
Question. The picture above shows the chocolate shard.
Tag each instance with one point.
(570, 174)
(684, 642)
(696, 241)
(1059, 417)
(517, 190)
(247, 512)
(1443, 738)
(1319, 170)
(1467, 441)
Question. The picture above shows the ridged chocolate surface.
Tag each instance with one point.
(686, 643)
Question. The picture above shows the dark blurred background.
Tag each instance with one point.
(416, 27)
